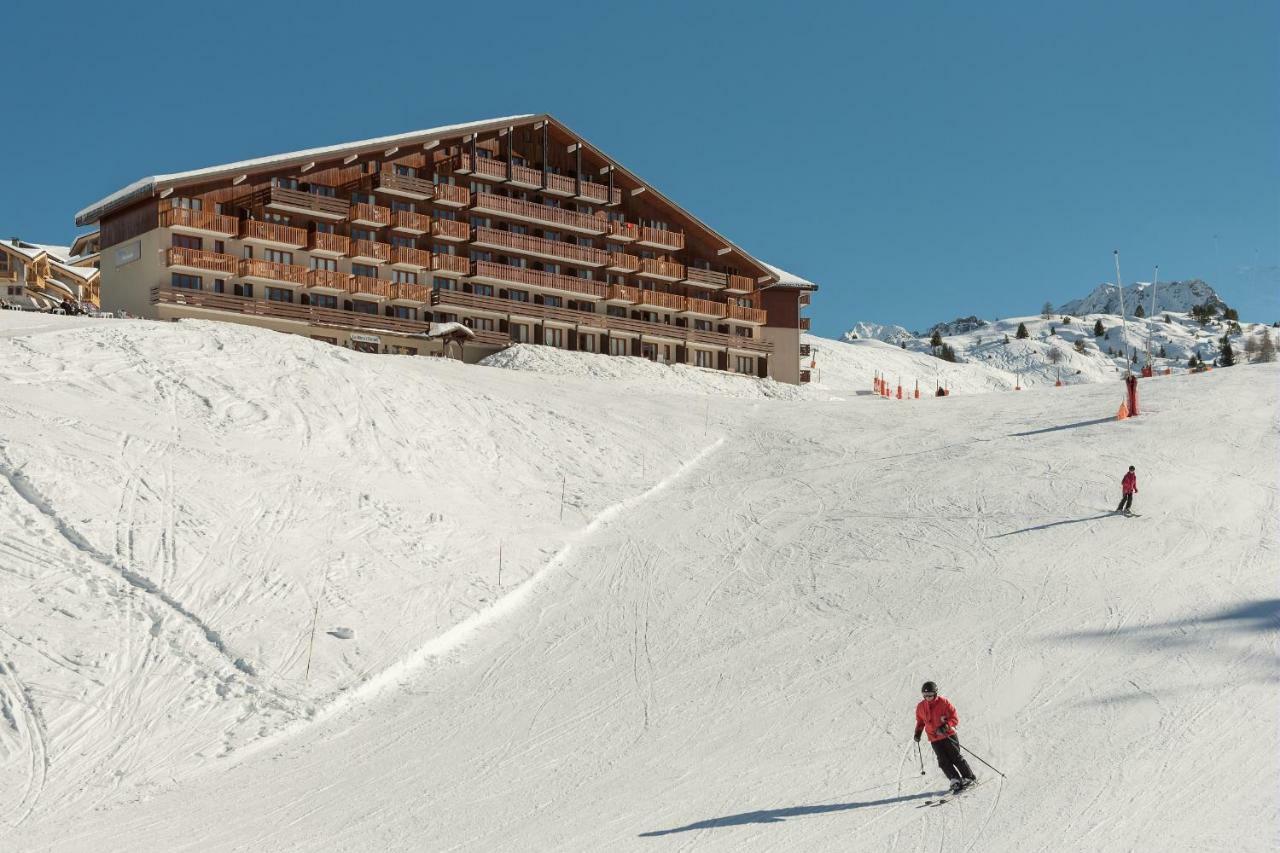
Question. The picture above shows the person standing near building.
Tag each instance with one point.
(937, 716)
(1128, 488)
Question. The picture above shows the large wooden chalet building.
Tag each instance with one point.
(515, 228)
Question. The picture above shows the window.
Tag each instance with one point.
(219, 246)
(324, 300)
(702, 325)
(362, 234)
(325, 340)
(483, 290)
(553, 337)
(360, 306)
(219, 285)
(617, 346)
(746, 364)
(519, 332)
(616, 311)
(279, 294)
(327, 192)
(399, 350)
(744, 332)
(702, 358)
(402, 312)
(330, 264)
(398, 205)
(649, 351)
(442, 283)
(247, 251)
(482, 324)
(403, 242)
(325, 228)
(407, 171)
(245, 290)
(277, 218)
(363, 198)
(183, 241)
(278, 257)
(186, 282)
(404, 277)
(365, 270)
(189, 203)
(286, 183)
(552, 301)
(587, 343)
(481, 256)
(518, 295)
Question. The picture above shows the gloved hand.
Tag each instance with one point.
(917, 737)
(942, 729)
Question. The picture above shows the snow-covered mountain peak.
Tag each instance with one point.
(1177, 296)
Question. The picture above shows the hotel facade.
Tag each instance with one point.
(515, 228)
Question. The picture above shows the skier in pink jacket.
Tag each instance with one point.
(1128, 488)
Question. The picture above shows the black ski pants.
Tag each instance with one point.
(1126, 503)
(950, 759)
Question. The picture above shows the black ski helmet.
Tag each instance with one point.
(929, 687)
(1130, 467)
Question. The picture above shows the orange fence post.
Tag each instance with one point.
(917, 389)
(1123, 411)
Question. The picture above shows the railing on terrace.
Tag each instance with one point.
(328, 278)
(538, 278)
(623, 261)
(333, 243)
(390, 180)
(449, 229)
(662, 269)
(804, 324)
(258, 268)
(659, 299)
(741, 283)
(484, 166)
(711, 277)
(204, 220)
(410, 257)
(662, 237)
(450, 263)
(274, 232)
(369, 249)
(323, 204)
(620, 230)
(705, 306)
(451, 194)
(540, 212)
(624, 293)
(374, 214)
(369, 285)
(539, 246)
(745, 315)
(407, 220)
(212, 261)
(415, 292)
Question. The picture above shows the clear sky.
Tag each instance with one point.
(919, 161)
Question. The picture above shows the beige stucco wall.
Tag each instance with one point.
(784, 362)
(127, 286)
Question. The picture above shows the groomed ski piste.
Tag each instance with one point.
(715, 610)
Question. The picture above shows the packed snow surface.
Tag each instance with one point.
(713, 619)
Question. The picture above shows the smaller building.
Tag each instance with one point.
(38, 277)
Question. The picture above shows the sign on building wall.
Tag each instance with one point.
(128, 253)
(365, 339)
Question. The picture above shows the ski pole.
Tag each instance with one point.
(921, 757)
(975, 755)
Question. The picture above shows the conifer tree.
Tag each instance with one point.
(1098, 330)
(1079, 345)
(1022, 331)
(1226, 356)
(1266, 349)
(1046, 310)
(1140, 312)
(936, 340)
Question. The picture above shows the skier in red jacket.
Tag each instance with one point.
(1128, 488)
(938, 717)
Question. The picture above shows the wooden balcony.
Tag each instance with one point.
(661, 238)
(561, 184)
(411, 292)
(745, 315)
(197, 260)
(526, 245)
(389, 182)
(658, 299)
(805, 376)
(199, 222)
(272, 272)
(623, 231)
(410, 222)
(363, 285)
(297, 201)
(450, 229)
(452, 196)
(403, 256)
(451, 264)
(371, 215)
(705, 278)
(666, 270)
(330, 279)
(705, 307)
(369, 251)
(523, 176)
(623, 293)
(335, 245)
(740, 284)
(804, 324)
(503, 274)
(805, 350)
(805, 298)
(272, 234)
(599, 193)
(542, 214)
(481, 167)
(622, 262)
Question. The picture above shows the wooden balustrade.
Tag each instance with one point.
(328, 278)
(407, 220)
(661, 269)
(624, 262)
(450, 263)
(414, 292)
(741, 284)
(454, 196)
(273, 232)
(704, 306)
(804, 324)
(323, 205)
(539, 246)
(600, 193)
(538, 278)
(449, 229)
(199, 220)
(662, 237)
(623, 293)
(370, 214)
(520, 209)
(393, 183)
(708, 277)
(658, 299)
(370, 250)
(745, 315)
(363, 284)
(328, 244)
(212, 261)
(407, 256)
(287, 273)
(562, 184)
(621, 230)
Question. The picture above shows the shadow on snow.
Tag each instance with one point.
(780, 815)
(1054, 524)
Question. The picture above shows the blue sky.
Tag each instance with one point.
(919, 161)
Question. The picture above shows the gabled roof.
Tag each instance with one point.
(155, 183)
(786, 279)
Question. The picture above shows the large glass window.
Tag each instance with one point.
(279, 294)
(324, 300)
(277, 256)
(330, 264)
(186, 241)
(443, 283)
(364, 270)
(186, 282)
(404, 277)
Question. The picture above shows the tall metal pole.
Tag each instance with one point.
(1124, 327)
(1155, 283)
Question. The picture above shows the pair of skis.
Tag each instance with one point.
(949, 796)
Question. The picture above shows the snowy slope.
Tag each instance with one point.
(719, 647)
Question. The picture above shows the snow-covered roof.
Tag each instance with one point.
(786, 279)
(146, 185)
(27, 250)
(82, 273)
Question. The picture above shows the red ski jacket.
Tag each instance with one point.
(931, 714)
(1130, 483)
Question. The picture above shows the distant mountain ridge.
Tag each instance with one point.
(1177, 296)
(877, 332)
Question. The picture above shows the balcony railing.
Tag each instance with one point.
(804, 376)
(526, 244)
(414, 292)
(662, 238)
(804, 324)
(541, 213)
(710, 278)
(741, 284)
(197, 259)
(328, 278)
(319, 205)
(621, 230)
(745, 315)
(454, 196)
(537, 278)
(486, 167)
(369, 286)
(441, 262)
(600, 193)
(413, 223)
(449, 229)
(658, 299)
(623, 262)
(370, 214)
(369, 250)
(623, 293)
(273, 232)
(661, 269)
(322, 243)
(405, 256)
(199, 220)
(272, 271)
(704, 306)
(405, 185)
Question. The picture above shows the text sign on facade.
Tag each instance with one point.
(365, 339)
(128, 253)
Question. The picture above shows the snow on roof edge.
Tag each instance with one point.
(150, 182)
(786, 279)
